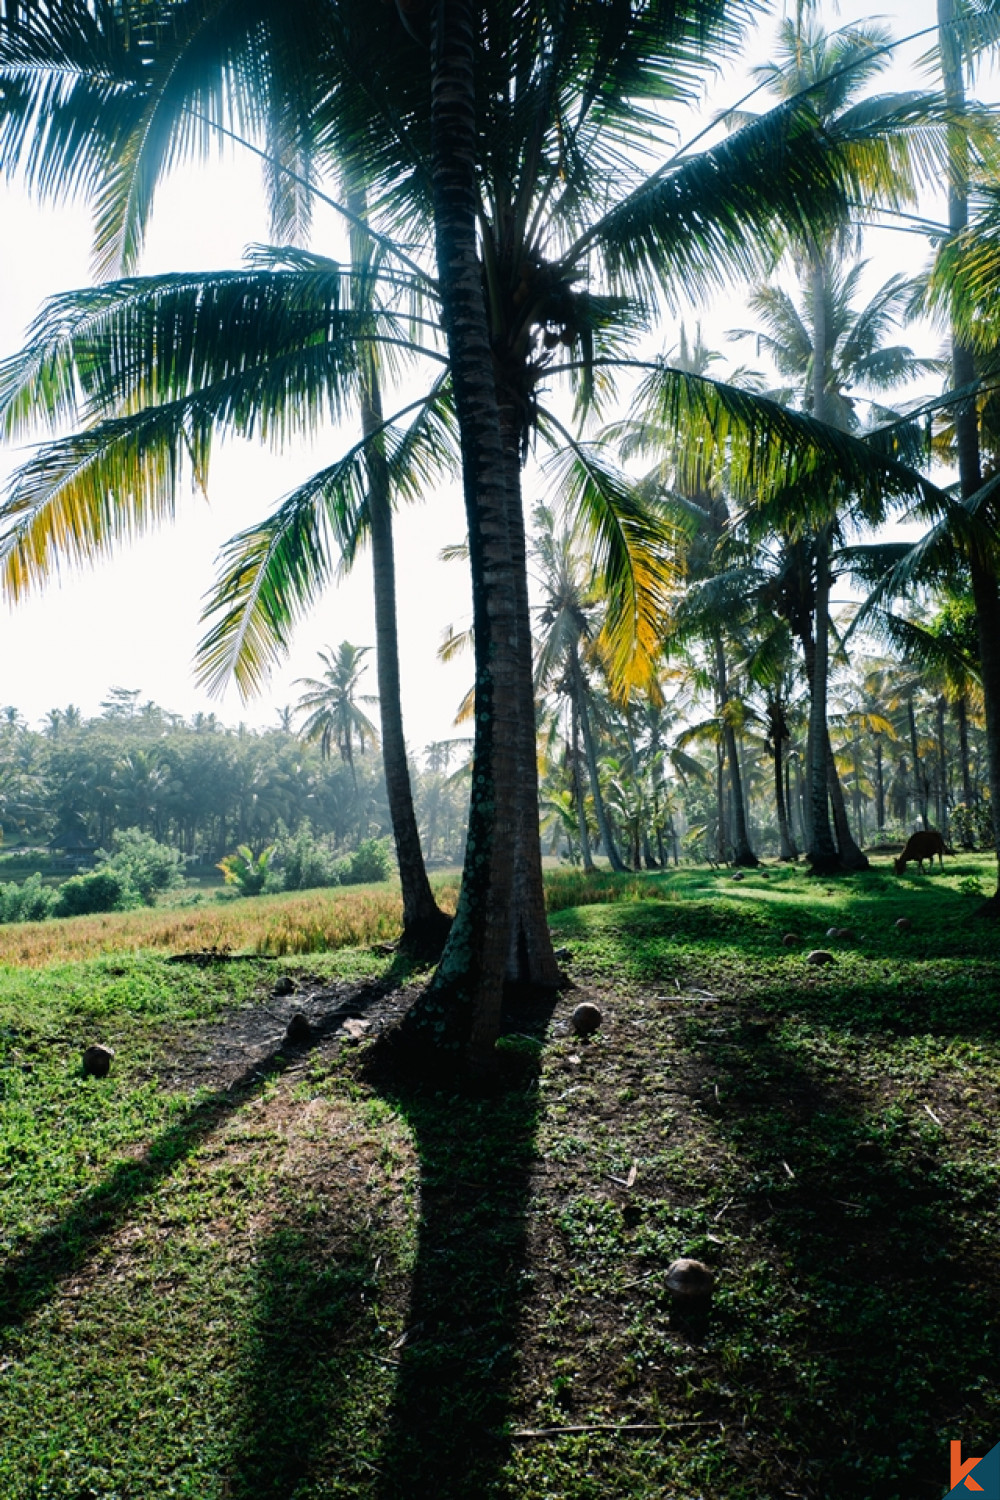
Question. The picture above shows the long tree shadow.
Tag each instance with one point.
(446, 1434)
(896, 1332)
(305, 1408)
(30, 1276)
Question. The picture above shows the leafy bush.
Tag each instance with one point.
(304, 861)
(973, 826)
(247, 871)
(371, 860)
(99, 890)
(28, 902)
(144, 865)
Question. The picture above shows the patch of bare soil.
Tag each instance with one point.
(249, 1041)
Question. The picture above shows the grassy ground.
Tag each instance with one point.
(282, 1280)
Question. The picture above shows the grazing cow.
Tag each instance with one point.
(921, 846)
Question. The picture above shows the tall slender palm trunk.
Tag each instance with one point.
(822, 852)
(531, 959)
(581, 809)
(779, 733)
(425, 926)
(464, 1001)
(962, 719)
(742, 852)
(590, 749)
(985, 593)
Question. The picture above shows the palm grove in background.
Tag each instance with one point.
(511, 170)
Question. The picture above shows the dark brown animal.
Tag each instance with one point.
(921, 846)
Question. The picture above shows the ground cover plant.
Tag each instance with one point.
(235, 1268)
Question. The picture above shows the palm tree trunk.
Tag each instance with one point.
(919, 778)
(822, 852)
(851, 857)
(464, 1000)
(590, 749)
(787, 849)
(581, 809)
(941, 788)
(531, 959)
(962, 716)
(742, 852)
(879, 786)
(984, 582)
(425, 926)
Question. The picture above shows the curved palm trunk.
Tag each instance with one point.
(851, 857)
(984, 582)
(879, 785)
(425, 926)
(742, 852)
(463, 1003)
(590, 749)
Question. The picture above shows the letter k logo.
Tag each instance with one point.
(960, 1471)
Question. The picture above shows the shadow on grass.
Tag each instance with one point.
(33, 1273)
(884, 1298)
(939, 977)
(446, 1434)
(305, 1405)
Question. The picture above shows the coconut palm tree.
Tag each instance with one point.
(526, 123)
(331, 705)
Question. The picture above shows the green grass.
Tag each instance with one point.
(207, 1288)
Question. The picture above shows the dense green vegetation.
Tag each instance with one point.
(235, 1277)
(201, 787)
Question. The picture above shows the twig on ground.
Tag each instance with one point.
(542, 1432)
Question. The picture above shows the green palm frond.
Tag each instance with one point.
(632, 550)
(282, 339)
(274, 572)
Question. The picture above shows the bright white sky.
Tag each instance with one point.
(134, 621)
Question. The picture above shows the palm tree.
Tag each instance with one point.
(330, 704)
(530, 135)
(568, 620)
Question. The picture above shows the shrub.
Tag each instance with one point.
(29, 902)
(973, 826)
(144, 865)
(247, 871)
(100, 890)
(371, 860)
(304, 861)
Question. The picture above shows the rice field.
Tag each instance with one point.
(295, 922)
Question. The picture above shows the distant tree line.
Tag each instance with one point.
(201, 787)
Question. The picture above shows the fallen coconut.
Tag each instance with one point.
(284, 986)
(586, 1019)
(690, 1281)
(299, 1030)
(819, 956)
(847, 934)
(97, 1061)
(738, 875)
(833, 932)
(904, 924)
(790, 940)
